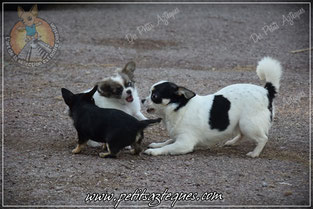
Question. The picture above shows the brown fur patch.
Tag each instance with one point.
(129, 70)
(127, 81)
(109, 88)
(77, 149)
(104, 154)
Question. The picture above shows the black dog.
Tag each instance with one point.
(111, 126)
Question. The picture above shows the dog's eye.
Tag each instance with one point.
(154, 96)
(29, 18)
(129, 84)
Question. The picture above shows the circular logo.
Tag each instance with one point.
(32, 41)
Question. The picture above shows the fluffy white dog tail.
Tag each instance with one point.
(270, 70)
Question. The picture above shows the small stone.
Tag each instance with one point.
(285, 183)
(264, 184)
(58, 187)
(287, 193)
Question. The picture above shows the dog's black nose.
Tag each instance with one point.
(128, 91)
(143, 101)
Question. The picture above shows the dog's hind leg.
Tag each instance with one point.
(256, 128)
(107, 154)
(136, 145)
(261, 141)
(136, 148)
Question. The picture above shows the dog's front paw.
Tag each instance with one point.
(94, 144)
(77, 149)
(153, 152)
(128, 148)
(154, 145)
(252, 154)
(229, 143)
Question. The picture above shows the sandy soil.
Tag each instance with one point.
(203, 47)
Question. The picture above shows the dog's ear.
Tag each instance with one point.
(129, 69)
(182, 91)
(34, 10)
(20, 11)
(92, 92)
(68, 96)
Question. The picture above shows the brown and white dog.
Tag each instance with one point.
(119, 92)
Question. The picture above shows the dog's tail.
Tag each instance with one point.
(146, 123)
(270, 70)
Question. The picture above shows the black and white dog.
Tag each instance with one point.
(195, 121)
(119, 92)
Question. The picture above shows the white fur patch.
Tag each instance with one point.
(165, 101)
(270, 70)
(118, 79)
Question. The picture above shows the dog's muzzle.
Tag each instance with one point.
(130, 97)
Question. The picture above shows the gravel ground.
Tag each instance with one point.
(203, 47)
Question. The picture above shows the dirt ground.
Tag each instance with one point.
(204, 48)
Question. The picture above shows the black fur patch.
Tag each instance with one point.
(271, 91)
(219, 113)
